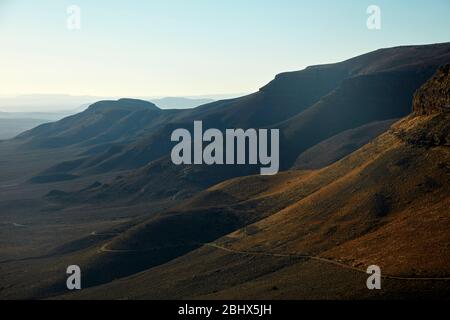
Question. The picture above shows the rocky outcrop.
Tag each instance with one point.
(434, 96)
(429, 125)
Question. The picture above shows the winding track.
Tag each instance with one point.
(104, 248)
(322, 260)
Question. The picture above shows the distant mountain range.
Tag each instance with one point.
(315, 231)
(365, 180)
(309, 107)
(44, 103)
(54, 103)
(14, 123)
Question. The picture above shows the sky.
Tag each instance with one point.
(194, 47)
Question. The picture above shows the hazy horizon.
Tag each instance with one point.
(57, 103)
(225, 152)
(178, 48)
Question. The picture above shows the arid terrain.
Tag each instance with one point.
(365, 181)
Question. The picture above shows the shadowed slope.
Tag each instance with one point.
(308, 106)
(104, 121)
(340, 145)
(386, 204)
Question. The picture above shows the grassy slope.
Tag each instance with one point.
(328, 212)
(373, 207)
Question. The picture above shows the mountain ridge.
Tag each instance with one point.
(340, 104)
(363, 210)
(190, 232)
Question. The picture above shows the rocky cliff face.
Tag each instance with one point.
(429, 125)
(434, 96)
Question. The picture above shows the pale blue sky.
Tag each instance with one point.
(194, 47)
